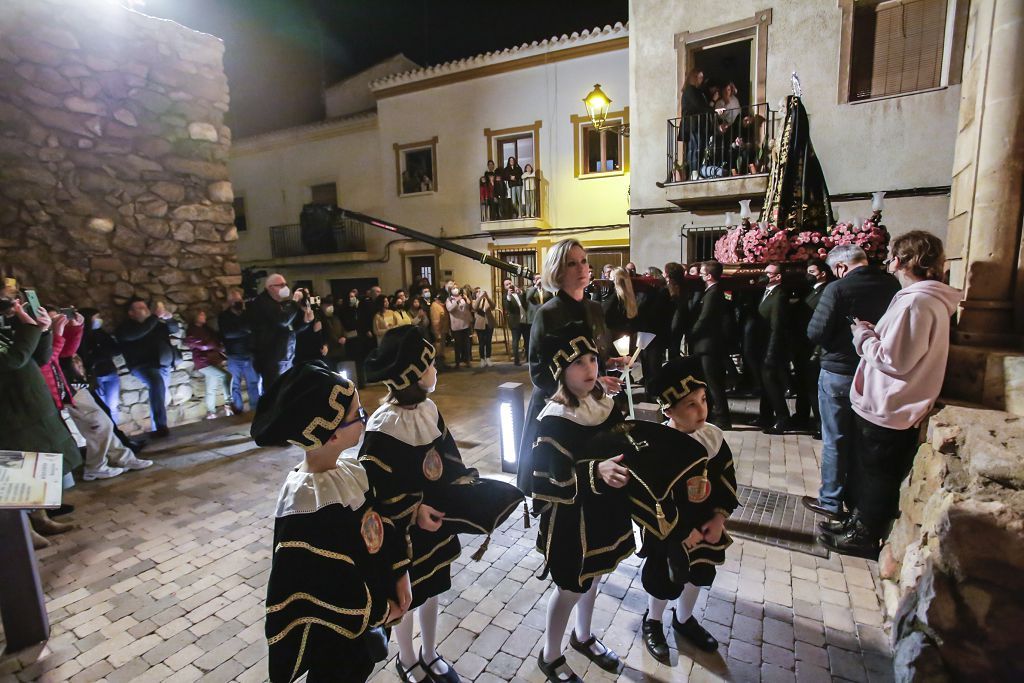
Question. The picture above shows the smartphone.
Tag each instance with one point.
(69, 312)
(33, 302)
(850, 319)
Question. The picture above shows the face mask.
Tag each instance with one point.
(426, 296)
(97, 323)
(236, 305)
(329, 310)
(762, 280)
(284, 292)
(811, 279)
(353, 301)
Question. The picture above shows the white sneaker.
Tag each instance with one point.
(104, 472)
(228, 412)
(130, 462)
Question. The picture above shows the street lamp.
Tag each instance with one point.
(598, 104)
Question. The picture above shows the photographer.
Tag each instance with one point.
(311, 342)
(276, 315)
(145, 340)
(236, 331)
(460, 311)
(515, 317)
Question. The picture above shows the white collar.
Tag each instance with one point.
(819, 285)
(307, 492)
(768, 289)
(415, 426)
(591, 411)
(709, 436)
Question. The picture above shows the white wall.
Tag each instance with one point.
(274, 173)
(897, 143)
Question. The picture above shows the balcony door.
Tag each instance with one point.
(728, 63)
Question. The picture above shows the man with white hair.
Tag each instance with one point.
(276, 315)
(862, 292)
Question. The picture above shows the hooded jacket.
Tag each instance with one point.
(903, 359)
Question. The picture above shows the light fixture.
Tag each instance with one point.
(744, 208)
(877, 200)
(510, 423)
(598, 105)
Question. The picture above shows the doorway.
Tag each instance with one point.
(617, 257)
(423, 267)
(728, 62)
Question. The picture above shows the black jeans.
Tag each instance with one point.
(883, 458)
(517, 339)
(773, 393)
(463, 346)
(714, 371)
(483, 338)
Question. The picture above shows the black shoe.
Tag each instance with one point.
(607, 660)
(857, 540)
(835, 526)
(816, 435)
(654, 639)
(417, 673)
(449, 676)
(551, 670)
(137, 445)
(779, 427)
(65, 509)
(812, 504)
(694, 634)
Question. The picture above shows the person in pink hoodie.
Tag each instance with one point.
(902, 365)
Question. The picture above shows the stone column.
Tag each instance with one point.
(984, 244)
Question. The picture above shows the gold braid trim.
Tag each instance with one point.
(302, 545)
(436, 570)
(316, 601)
(320, 622)
(313, 441)
(613, 546)
(729, 486)
(579, 346)
(607, 570)
(376, 461)
(593, 485)
(679, 391)
(302, 651)
(483, 529)
(433, 550)
(414, 371)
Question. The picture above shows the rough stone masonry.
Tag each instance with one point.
(113, 164)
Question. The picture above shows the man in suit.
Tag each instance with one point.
(515, 314)
(774, 351)
(806, 362)
(535, 296)
(708, 340)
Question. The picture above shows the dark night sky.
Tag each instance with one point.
(280, 52)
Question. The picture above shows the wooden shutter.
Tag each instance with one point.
(906, 52)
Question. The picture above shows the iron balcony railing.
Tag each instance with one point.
(290, 240)
(733, 142)
(499, 202)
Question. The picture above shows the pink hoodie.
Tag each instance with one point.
(903, 359)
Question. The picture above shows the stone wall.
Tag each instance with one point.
(113, 161)
(953, 566)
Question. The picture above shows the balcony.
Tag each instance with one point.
(502, 215)
(340, 242)
(713, 160)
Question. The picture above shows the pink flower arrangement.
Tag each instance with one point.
(807, 244)
(761, 244)
(871, 237)
(727, 247)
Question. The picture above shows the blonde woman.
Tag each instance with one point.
(620, 312)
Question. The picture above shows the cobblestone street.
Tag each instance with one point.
(165, 579)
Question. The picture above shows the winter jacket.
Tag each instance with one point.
(31, 422)
(236, 331)
(147, 344)
(461, 313)
(864, 294)
(274, 324)
(64, 346)
(97, 351)
(903, 359)
(205, 346)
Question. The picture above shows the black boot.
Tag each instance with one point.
(833, 527)
(694, 633)
(857, 540)
(654, 639)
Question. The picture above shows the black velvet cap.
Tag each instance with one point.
(676, 380)
(402, 357)
(304, 407)
(564, 345)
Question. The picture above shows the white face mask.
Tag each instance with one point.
(97, 323)
(284, 292)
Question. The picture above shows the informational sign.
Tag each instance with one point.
(30, 480)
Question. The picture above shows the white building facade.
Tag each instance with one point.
(880, 83)
(417, 157)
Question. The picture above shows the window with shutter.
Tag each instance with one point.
(897, 47)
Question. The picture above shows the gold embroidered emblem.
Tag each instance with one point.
(432, 465)
(698, 489)
(372, 531)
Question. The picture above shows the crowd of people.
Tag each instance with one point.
(509, 192)
(722, 138)
(873, 341)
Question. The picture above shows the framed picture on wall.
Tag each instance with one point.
(416, 167)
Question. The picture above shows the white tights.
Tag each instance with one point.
(559, 607)
(407, 654)
(684, 604)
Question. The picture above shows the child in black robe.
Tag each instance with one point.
(339, 567)
(585, 529)
(705, 501)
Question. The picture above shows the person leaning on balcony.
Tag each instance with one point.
(898, 379)
(695, 108)
(861, 291)
(514, 178)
